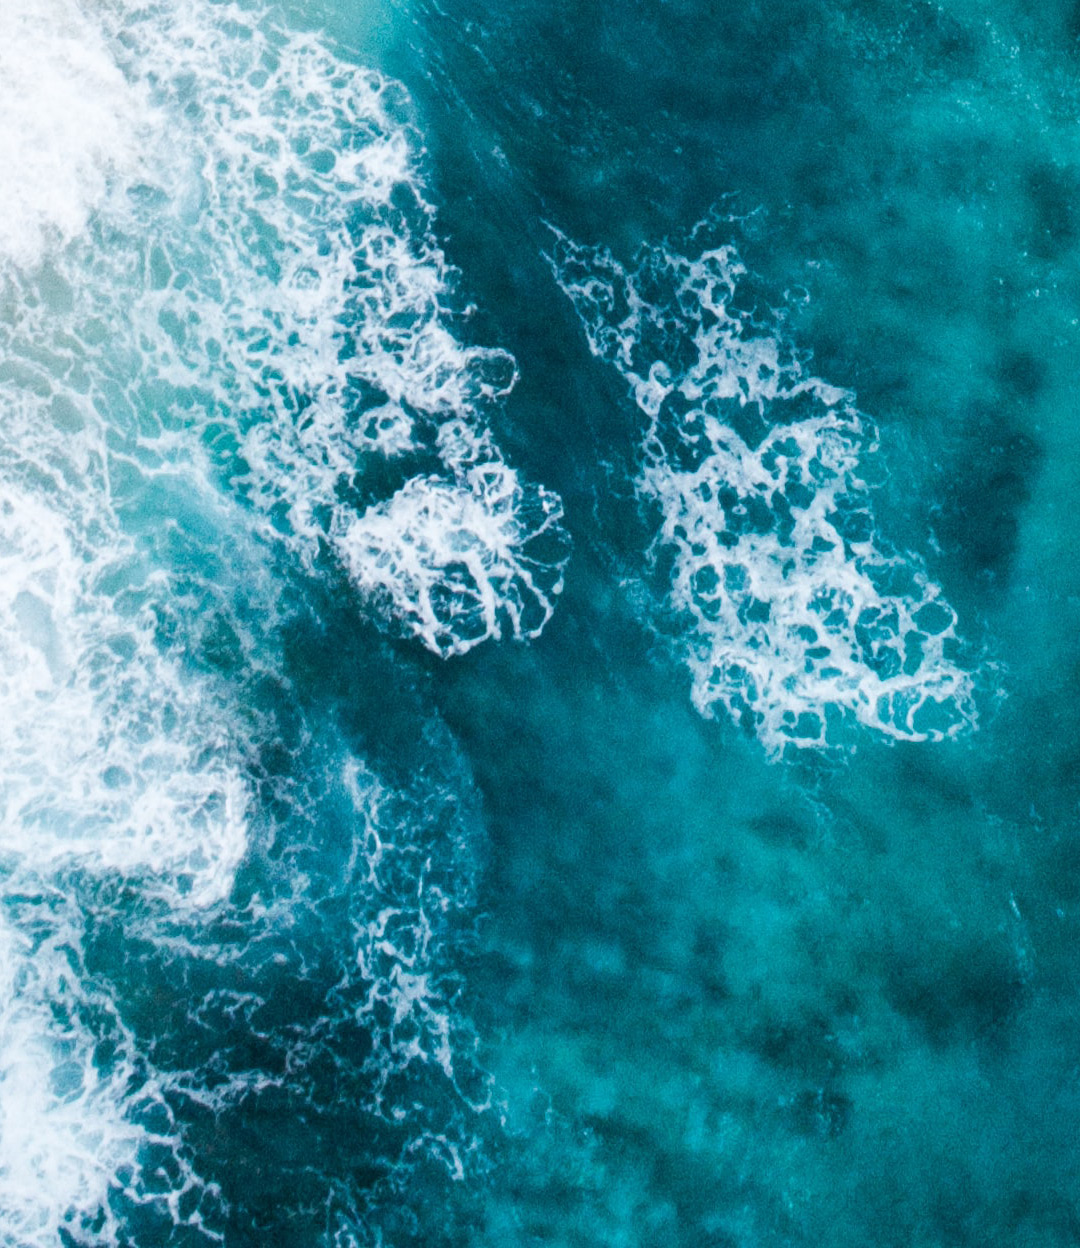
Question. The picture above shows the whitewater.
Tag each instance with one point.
(227, 334)
(538, 611)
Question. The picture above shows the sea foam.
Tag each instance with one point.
(798, 615)
(116, 754)
(70, 123)
(118, 762)
(290, 289)
(86, 1130)
(464, 559)
(225, 326)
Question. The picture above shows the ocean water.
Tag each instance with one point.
(539, 614)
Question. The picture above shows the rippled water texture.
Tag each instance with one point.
(538, 624)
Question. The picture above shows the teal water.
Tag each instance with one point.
(538, 619)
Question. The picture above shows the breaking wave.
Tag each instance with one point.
(292, 294)
(228, 346)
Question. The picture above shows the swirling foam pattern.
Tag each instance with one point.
(800, 618)
(227, 345)
(265, 218)
(293, 289)
(119, 761)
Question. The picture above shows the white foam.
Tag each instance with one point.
(63, 1138)
(69, 124)
(799, 617)
(79, 1109)
(221, 299)
(295, 283)
(266, 253)
(115, 762)
(114, 757)
(452, 558)
(267, 272)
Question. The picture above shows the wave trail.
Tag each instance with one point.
(799, 617)
(288, 288)
(229, 350)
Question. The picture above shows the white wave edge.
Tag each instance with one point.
(70, 124)
(142, 770)
(309, 198)
(116, 764)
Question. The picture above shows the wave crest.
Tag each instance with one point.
(294, 298)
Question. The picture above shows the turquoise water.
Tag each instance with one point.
(538, 614)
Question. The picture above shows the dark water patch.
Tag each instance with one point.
(1071, 11)
(806, 1043)
(337, 660)
(1023, 374)
(946, 43)
(711, 937)
(821, 1113)
(933, 789)
(568, 119)
(1037, 1216)
(957, 991)
(1060, 855)
(1034, 779)
(782, 827)
(982, 506)
(1052, 192)
(852, 822)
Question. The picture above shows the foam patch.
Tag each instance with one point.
(798, 616)
(69, 124)
(465, 559)
(223, 315)
(114, 756)
(290, 292)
